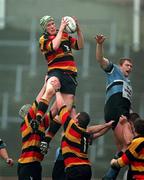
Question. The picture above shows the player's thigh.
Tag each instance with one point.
(115, 107)
(68, 99)
(127, 133)
(49, 83)
(118, 135)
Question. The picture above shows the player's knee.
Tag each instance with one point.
(68, 98)
(50, 91)
(53, 79)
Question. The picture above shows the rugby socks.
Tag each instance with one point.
(113, 172)
(42, 108)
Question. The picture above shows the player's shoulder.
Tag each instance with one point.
(44, 36)
(41, 39)
(108, 66)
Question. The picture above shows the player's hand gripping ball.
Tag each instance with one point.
(71, 26)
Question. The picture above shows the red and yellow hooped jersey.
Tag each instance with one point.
(31, 141)
(62, 58)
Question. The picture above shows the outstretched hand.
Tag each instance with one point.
(110, 123)
(9, 161)
(63, 24)
(114, 163)
(100, 39)
(123, 119)
(77, 22)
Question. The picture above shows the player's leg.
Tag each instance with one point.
(112, 173)
(45, 100)
(69, 100)
(113, 111)
(68, 88)
(58, 172)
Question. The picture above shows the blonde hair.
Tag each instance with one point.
(44, 21)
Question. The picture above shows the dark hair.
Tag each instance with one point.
(133, 116)
(122, 60)
(139, 126)
(83, 119)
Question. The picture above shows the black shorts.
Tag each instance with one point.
(58, 172)
(27, 171)
(115, 107)
(79, 172)
(67, 79)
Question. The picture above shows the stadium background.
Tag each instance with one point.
(22, 67)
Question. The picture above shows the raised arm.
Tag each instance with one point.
(80, 37)
(99, 51)
(59, 99)
(4, 154)
(57, 40)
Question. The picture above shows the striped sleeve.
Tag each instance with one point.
(123, 161)
(109, 68)
(53, 129)
(32, 111)
(64, 115)
(45, 44)
(74, 43)
(133, 153)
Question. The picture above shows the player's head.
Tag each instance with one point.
(122, 60)
(83, 119)
(47, 24)
(139, 126)
(24, 110)
(132, 117)
(126, 65)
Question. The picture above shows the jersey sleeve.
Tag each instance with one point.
(45, 44)
(64, 115)
(109, 68)
(129, 155)
(53, 129)
(73, 42)
(123, 161)
(32, 111)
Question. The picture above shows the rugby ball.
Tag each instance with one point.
(71, 26)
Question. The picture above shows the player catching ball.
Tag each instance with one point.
(56, 46)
